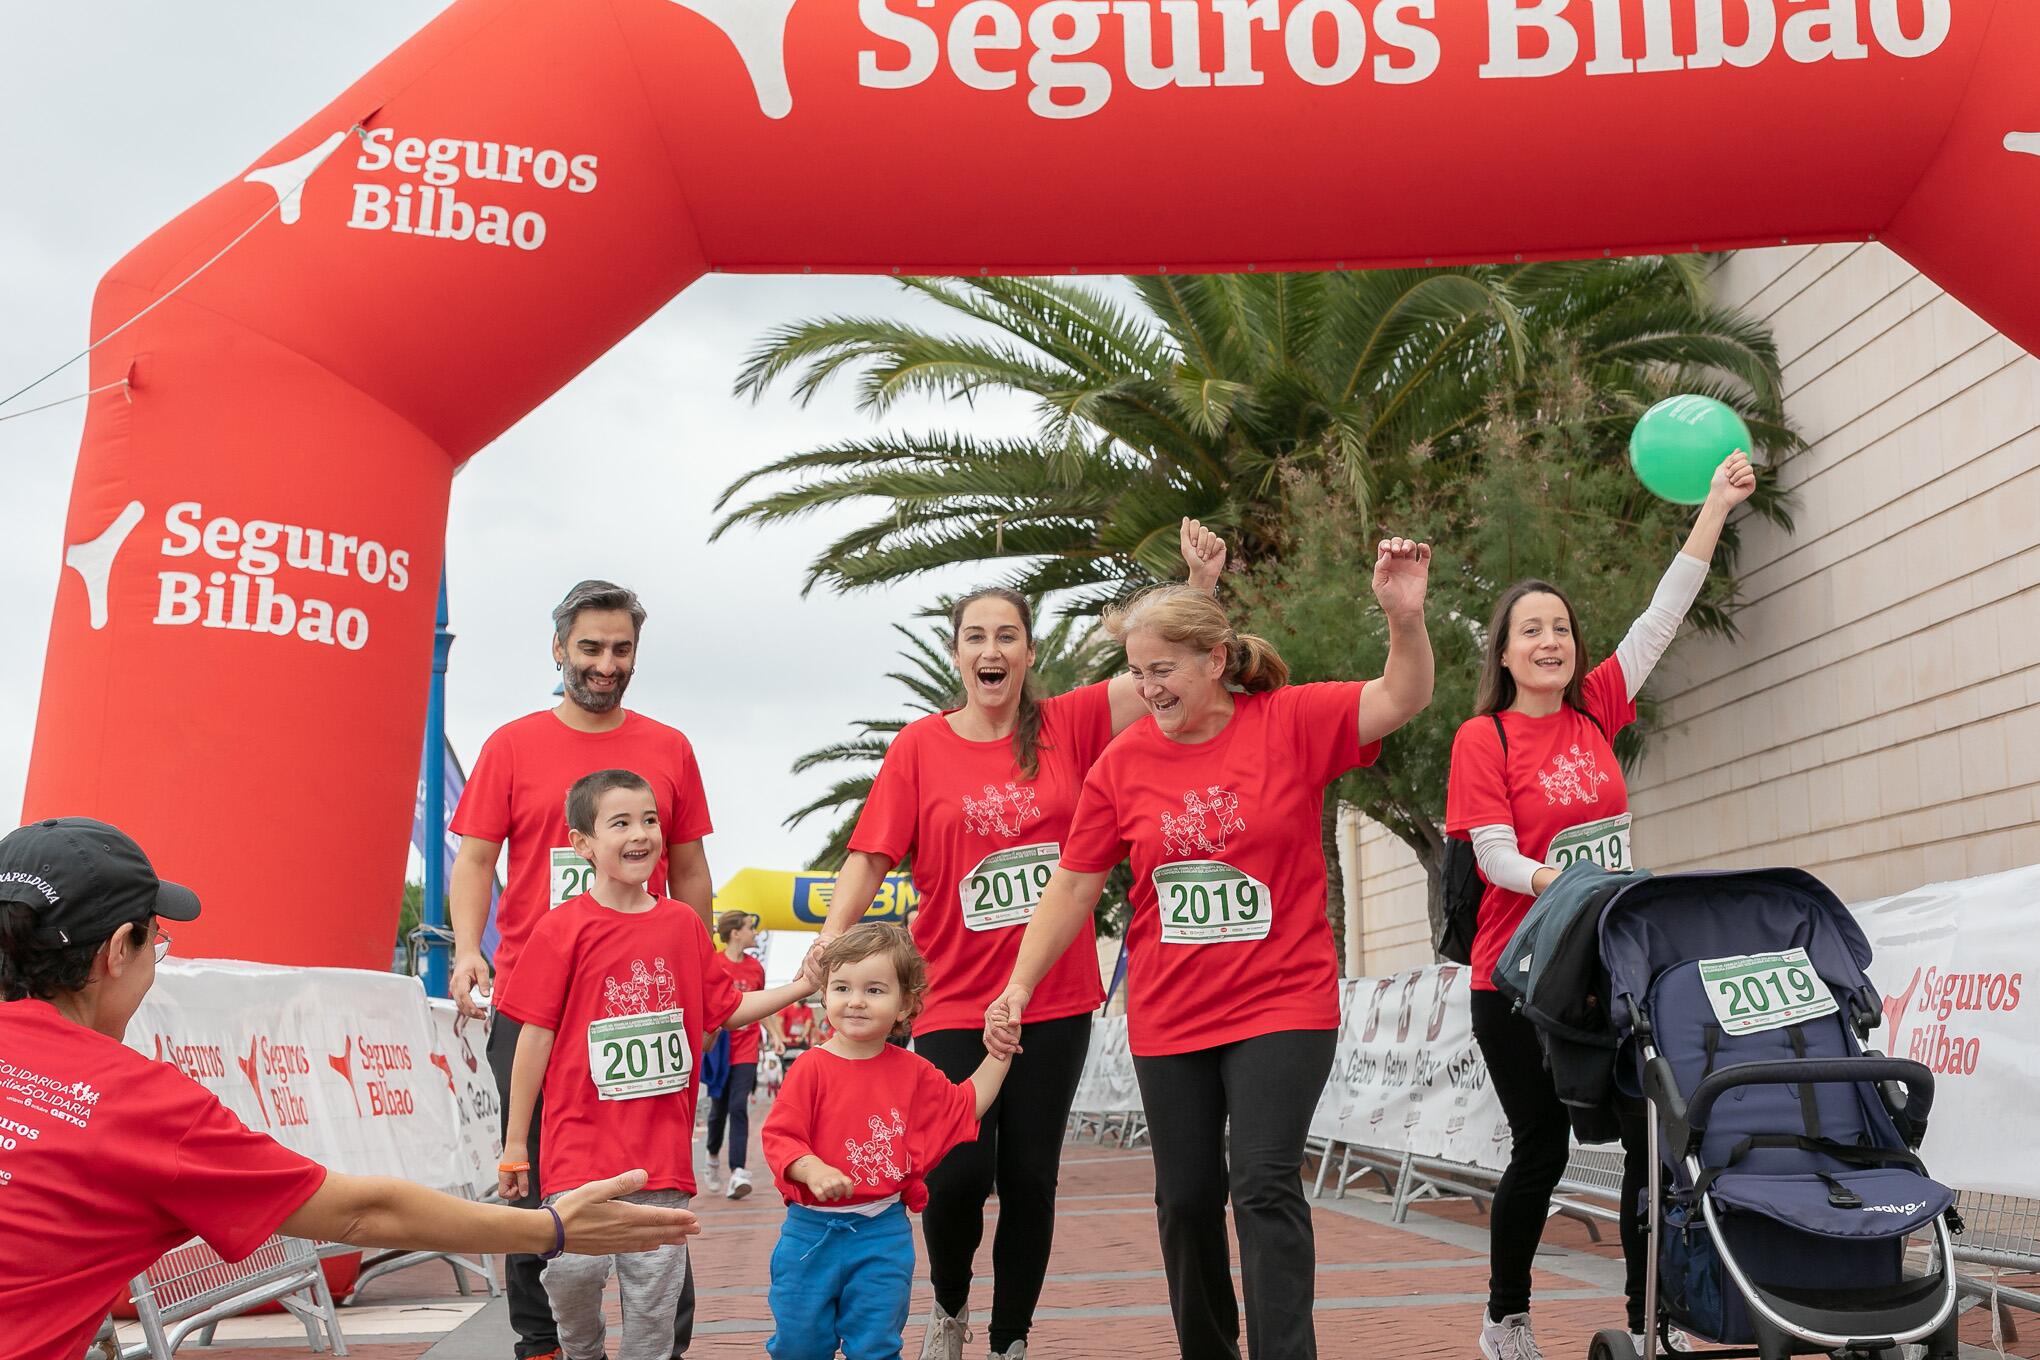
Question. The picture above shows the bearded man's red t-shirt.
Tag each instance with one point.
(517, 793)
(616, 988)
(1560, 780)
(884, 1122)
(1229, 937)
(108, 1160)
(985, 841)
(746, 975)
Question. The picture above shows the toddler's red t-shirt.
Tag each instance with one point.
(884, 1122)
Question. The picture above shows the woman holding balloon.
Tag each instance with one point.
(1535, 785)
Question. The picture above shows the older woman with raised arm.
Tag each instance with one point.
(980, 797)
(1232, 980)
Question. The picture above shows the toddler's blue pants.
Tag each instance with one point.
(841, 1280)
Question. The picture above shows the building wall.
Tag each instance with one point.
(1878, 720)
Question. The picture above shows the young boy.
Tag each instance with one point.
(739, 932)
(629, 982)
(857, 1126)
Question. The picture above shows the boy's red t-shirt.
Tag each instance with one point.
(1561, 780)
(985, 840)
(884, 1122)
(517, 793)
(108, 1161)
(1232, 828)
(654, 971)
(746, 975)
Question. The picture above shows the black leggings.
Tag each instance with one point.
(1018, 1149)
(733, 1105)
(1541, 1145)
(1267, 1086)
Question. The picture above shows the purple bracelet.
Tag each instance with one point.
(559, 1234)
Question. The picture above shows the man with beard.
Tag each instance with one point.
(517, 794)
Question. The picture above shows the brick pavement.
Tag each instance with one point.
(1383, 1290)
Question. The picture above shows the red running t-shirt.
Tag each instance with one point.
(746, 975)
(884, 1122)
(1562, 790)
(985, 841)
(517, 792)
(108, 1160)
(1229, 937)
(798, 1023)
(628, 997)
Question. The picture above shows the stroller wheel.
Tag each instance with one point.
(1611, 1345)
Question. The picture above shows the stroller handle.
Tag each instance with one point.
(1689, 1116)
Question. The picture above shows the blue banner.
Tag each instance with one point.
(456, 780)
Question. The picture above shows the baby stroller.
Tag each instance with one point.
(1783, 1184)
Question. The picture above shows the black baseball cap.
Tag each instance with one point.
(86, 879)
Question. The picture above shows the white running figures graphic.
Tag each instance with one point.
(1575, 777)
(874, 1161)
(288, 178)
(1000, 812)
(93, 560)
(757, 29)
(1204, 823)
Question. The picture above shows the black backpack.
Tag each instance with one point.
(1464, 886)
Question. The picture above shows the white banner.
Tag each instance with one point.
(1949, 961)
(465, 1046)
(340, 1065)
(1408, 1076)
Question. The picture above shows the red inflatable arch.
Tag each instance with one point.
(255, 532)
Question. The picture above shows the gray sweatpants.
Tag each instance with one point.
(649, 1282)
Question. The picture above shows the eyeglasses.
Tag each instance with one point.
(162, 944)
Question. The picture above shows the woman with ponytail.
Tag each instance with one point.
(980, 796)
(1232, 983)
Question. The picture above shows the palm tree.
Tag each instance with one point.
(1067, 654)
(1451, 398)
(1196, 400)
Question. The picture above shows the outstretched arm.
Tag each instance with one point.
(1652, 633)
(379, 1211)
(1065, 905)
(756, 1006)
(1402, 569)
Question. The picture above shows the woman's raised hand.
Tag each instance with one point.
(1733, 481)
(1402, 571)
(1002, 1021)
(1203, 554)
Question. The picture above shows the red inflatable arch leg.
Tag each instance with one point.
(240, 646)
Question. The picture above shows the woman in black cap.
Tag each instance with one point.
(108, 1160)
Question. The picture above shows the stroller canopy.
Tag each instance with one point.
(1670, 918)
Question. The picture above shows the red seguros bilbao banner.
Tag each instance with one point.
(257, 521)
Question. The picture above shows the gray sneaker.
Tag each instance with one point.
(711, 1179)
(1508, 1339)
(946, 1335)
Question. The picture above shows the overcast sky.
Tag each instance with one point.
(119, 114)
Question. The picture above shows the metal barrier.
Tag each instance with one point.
(191, 1289)
(375, 1264)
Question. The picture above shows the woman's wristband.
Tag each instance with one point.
(559, 1234)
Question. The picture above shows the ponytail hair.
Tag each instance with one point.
(1188, 617)
(1027, 732)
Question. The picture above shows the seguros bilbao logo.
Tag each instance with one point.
(1933, 1002)
(272, 1069)
(243, 592)
(368, 1067)
(1074, 57)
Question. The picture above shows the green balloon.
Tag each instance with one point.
(1679, 443)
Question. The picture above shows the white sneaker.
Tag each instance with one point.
(946, 1335)
(1680, 1342)
(740, 1183)
(1016, 1351)
(711, 1179)
(1508, 1339)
